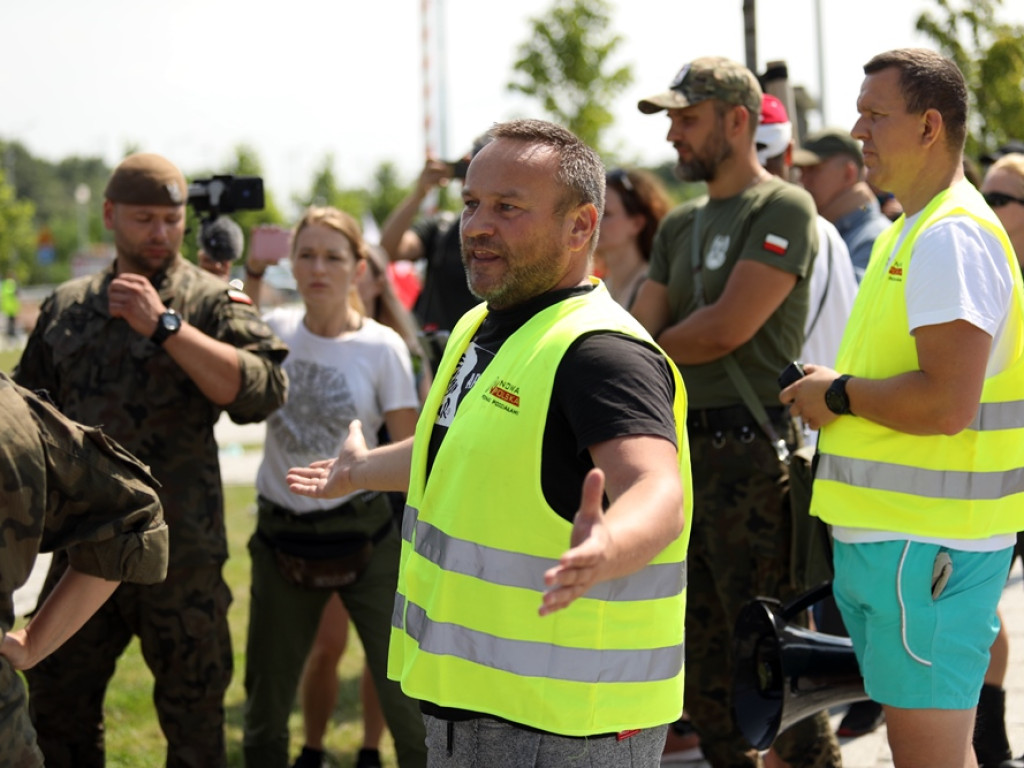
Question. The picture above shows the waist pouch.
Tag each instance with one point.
(323, 560)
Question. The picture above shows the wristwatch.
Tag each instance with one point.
(835, 396)
(168, 324)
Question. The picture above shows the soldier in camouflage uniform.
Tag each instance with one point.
(153, 349)
(728, 278)
(64, 485)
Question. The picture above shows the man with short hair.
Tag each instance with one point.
(728, 279)
(920, 436)
(832, 170)
(548, 388)
(153, 349)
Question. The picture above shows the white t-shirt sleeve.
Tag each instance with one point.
(397, 388)
(958, 272)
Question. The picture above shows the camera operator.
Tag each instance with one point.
(221, 243)
(445, 296)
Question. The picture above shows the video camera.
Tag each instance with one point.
(225, 194)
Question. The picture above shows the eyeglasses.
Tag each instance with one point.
(999, 199)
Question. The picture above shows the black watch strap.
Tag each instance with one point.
(167, 325)
(836, 398)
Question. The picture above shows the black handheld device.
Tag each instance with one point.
(792, 372)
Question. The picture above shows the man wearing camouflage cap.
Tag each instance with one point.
(832, 170)
(728, 280)
(153, 349)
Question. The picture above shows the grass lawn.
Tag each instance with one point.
(133, 735)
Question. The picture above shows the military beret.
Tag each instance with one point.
(147, 179)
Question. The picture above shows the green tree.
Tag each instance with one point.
(17, 235)
(566, 65)
(325, 190)
(990, 53)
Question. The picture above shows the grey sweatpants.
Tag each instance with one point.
(496, 744)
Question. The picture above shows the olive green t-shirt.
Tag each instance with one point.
(772, 222)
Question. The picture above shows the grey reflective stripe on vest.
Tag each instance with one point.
(928, 483)
(513, 569)
(532, 659)
(997, 416)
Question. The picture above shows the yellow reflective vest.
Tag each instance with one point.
(965, 486)
(479, 535)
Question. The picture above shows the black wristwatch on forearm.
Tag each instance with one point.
(836, 398)
(168, 324)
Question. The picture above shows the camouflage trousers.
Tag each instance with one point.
(739, 549)
(17, 736)
(183, 633)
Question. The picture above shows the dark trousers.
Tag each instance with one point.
(183, 632)
(739, 549)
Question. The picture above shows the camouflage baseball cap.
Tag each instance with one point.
(146, 179)
(821, 146)
(710, 77)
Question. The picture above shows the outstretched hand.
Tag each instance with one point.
(331, 478)
(581, 566)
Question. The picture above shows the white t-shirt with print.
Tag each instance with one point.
(360, 374)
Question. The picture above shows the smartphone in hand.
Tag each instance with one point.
(268, 244)
(792, 372)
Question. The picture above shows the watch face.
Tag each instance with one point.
(170, 321)
(835, 398)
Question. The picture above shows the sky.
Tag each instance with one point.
(300, 80)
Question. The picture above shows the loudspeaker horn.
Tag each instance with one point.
(784, 672)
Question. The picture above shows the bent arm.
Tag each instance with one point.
(752, 294)
(73, 601)
(940, 398)
(213, 365)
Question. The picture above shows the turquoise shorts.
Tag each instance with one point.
(917, 652)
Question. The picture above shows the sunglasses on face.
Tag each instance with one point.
(999, 199)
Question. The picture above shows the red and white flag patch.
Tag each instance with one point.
(776, 244)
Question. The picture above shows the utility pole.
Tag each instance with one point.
(750, 34)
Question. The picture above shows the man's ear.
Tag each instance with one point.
(583, 225)
(108, 214)
(932, 126)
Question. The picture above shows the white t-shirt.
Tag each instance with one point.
(958, 272)
(833, 271)
(360, 374)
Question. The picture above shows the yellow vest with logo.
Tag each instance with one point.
(479, 535)
(965, 486)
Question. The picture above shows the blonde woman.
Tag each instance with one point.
(342, 366)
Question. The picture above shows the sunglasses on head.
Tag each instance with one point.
(630, 199)
(999, 199)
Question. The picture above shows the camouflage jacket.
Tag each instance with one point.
(63, 485)
(100, 372)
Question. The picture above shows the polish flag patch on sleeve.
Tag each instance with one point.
(776, 244)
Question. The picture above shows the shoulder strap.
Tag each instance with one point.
(736, 375)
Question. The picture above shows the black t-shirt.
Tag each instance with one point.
(607, 385)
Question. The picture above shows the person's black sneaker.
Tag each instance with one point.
(368, 758)
(861, 718)
(309, 758)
